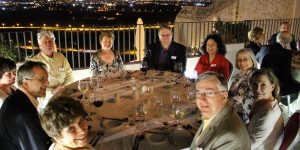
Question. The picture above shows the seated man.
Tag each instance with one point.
(166, 53)
(20, 127)
(284, 27)
(279, 59)
(221, 128)
(60, 72)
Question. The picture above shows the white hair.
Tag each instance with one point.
(284, 37)
(45, 33)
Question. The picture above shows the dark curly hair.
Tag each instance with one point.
(221, 48)
(60, 113)
(6, 64)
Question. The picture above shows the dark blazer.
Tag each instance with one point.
(293, 44)
(253, 46)
(225, 131)
(20, 126)
(278, 59)
(176, 53)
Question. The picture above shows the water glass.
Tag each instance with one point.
(178, 67)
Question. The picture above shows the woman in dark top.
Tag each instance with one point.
(255, 36)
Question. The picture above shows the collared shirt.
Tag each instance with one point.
(34, 101)
(3, 95)
(59, 69)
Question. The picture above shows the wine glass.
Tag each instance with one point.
(83, 87)
(178, 67)
(191, 93)
(178, 113)
(174, 96)
(144, 68)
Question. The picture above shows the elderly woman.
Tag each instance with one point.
(255, 36)
(106, 59)
(7, 78)
(241, 95)
(64, 121)
(213, 58)
(266, 121)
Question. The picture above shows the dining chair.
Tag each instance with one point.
(291, 132)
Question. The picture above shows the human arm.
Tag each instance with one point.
(226, 69)
(30, 135)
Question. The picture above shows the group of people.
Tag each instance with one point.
(243, 115)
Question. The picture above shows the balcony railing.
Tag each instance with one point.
(78, 44)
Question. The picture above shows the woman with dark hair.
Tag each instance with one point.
(64, 121)
(7, 78)
(266, 120)
(106, 59)
(255, 36)
(213, 58)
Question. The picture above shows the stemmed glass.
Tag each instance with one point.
(191, 93)
(144, 68)
(83, 87)
(174, 96)
(178, 113)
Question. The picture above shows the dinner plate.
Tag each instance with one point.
(156, 138)
(107, 124)
(180, 137)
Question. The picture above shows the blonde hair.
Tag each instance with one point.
(250, 53)
(255, 33)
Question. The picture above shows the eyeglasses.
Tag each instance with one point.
(208, 93)
(165, 35)
(43, 80)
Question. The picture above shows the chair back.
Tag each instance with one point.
(291, 132)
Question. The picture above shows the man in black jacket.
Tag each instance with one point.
(164, 54)
(284, 27)
(20, 128)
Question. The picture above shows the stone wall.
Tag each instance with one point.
(237, 10)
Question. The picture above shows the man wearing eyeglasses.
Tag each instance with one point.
(164, 54)
(20, 127)
(221, 127)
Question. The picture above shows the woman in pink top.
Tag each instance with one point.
(213, 58)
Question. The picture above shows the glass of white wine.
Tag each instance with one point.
(83, 87)
(178, 112)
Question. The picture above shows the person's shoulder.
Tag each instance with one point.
(179, 45)
(36, 57)
(58, 55)
(154, 45)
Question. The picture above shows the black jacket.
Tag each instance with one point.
(176, 53)
(20, 127)
(278, 59)
(293, 44)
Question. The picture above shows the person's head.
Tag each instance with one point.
(106, 40)
(284, 26)
(213, 44)
(211, 93)
(7, 71)
(256, 34)
(165, 35)
(46, 41)
(245, 59)
(284, 38)
(63, 120)
(265, 85)
(33, 77)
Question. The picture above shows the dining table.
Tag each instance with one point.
(138, 110)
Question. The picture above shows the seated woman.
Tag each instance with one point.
(241, 95)
(7, 78)
(64, 121)
(255, 36)
(106, 59)
(266, 121)
(213, 58)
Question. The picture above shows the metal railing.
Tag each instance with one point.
(78, 44)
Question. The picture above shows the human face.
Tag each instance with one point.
(211, 47)
(47, 45)
(106, 43)
(210, 98)
(165, 37)
(262, 87)
(75, 135)
(284, 27)
(36, 85)
(8, 78)
(244, 61)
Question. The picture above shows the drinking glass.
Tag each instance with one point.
(174, 96)
(83, 87)
(178, 67)
(178, 113)
(144, 68)
(191, 93)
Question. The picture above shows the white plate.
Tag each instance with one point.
(107, 124)
(155, 138)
